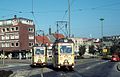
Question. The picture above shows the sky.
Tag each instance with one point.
(85, 15)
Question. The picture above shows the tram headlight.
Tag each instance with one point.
(39, 61)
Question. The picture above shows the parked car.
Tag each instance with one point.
(115, 58)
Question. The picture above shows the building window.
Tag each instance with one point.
(30, 29)
(7, 29)
(7, 44)
(16, 36)
(17, 44)
(17, 28)
(12, 29)
(12, 44)
(3, 37)
(12, 37)
(3, 44)
(7, 36)
(3, 30)
(31, 36)
(31, 44)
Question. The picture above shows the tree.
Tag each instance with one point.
(92, 49)
(114, 49)
(82, 50)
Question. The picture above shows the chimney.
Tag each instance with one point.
(50, 31)
(15, 16)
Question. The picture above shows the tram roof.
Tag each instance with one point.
(64, 40)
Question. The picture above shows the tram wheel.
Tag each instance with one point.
(71, 69)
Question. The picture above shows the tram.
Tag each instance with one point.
(63, 53)
(39, 55)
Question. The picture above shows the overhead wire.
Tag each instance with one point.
(61, 28)
(32, 12)
(93, 8)
(106, 5)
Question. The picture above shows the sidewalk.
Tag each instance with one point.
(14, 63)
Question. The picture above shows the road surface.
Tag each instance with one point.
(83, 68)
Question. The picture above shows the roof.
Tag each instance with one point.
(48, 39)
(14, 21)
(51, 38)
(58, 36)
(17, 19)
(42, 39)
(64, 40)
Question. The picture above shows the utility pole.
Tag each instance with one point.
(69, 18)
(57, 30)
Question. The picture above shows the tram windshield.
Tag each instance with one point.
(65, 49)
(39, 51)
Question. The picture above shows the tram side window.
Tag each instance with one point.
(38, 51)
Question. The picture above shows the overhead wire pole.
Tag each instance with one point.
(63, 24)
(41, 73)
(69, 18)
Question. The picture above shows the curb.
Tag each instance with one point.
(118, 67)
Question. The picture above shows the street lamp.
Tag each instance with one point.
(101, 19)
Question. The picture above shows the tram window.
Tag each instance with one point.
(66, 49)
(38, 51)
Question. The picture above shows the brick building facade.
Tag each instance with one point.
(16, 36)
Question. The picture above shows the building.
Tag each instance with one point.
(78, 42)
(16, 36)
(113, 40)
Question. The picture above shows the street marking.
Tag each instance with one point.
(92, 66)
